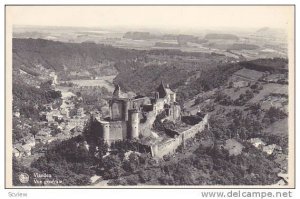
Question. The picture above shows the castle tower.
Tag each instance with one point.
(172, 97)
(126, 108)
(105, 130)
(134, 124)
(117, 91)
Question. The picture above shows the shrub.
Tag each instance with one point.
(274, 114)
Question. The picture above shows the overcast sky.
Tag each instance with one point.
(186, 17)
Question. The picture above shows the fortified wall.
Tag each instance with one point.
(168, 147)
(118, 130)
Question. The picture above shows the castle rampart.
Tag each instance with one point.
(168, 147)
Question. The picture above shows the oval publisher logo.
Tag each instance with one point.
(24, 178)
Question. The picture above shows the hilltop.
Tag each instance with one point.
(59, 55)
(221, 36)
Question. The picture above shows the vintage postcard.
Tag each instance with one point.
(163, 96)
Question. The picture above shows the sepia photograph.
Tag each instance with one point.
(150, 96)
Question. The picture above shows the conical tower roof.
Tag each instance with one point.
(161, 90)
(117, 91)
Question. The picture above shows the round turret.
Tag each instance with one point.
(105, 130)
(134, 124)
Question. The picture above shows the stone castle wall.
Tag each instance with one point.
(117, 130)
(159, 105)
(169, 147)
(191, 132)
(174, 112)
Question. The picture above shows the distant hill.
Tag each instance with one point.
(237, 46)
(165, 44)
(221, 36)
(271, 65)
(182, 39)
(272, 33)
(139, 35)
(264, 29)
(57, 55)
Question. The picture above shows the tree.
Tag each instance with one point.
(198, 100)
(255, 108)
(243, 98)
(223, 99)
(46, 85)
(112, 167)
(183, 175)
(132, 164)
(274, 114)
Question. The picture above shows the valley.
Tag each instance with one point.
(244, 94)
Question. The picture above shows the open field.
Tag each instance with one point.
(105, 81)
(267, 90)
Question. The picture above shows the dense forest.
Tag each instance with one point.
(271, 65)
(57, 55)
(189, 82)
(138, 70)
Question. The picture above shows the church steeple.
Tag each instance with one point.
(117, 91)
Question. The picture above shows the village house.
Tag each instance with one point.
(46, 132)
(54, 115)
(269, 149)
(257, 142)
(17, 113)
(22, 150)
(62, 126)
(29, 141)
(65, 112)
(18, 151)
(77, 122)
(240, 84)
(43, 136)
(272, 148)
(80, 112)
(43, 140)
(53, 78)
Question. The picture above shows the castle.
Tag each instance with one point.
(131, 118)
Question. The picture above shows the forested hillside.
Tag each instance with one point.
(56, 55)
(139, 71)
